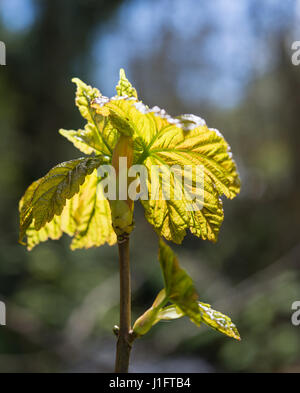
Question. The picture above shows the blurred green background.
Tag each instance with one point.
(227, 61)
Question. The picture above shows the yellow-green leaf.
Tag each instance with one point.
(98, 134)
(52, 230)
(201, 147)
(47, 196)
(179, 286)
(92, 217)
(124, 87)
(165, 141)
(119, 112)
(86, 217)
(84, 140)
(158, 312)
(122, 113)
(218, 321)
(85, 94)
(210, 317)
(150, 317)
(169, 313)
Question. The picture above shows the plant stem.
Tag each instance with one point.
(124, 336)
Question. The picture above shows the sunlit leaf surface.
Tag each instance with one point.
(165, 141)
(178, 284)
(46, 197)
(158, 140)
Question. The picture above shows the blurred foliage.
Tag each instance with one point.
(62, 305)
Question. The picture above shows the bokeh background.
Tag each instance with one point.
(227, 61)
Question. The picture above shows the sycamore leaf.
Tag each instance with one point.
(86, 217)
(122, 112)
(157, 312)
(201, 147)
(210, 317)
(92, 217)
(124, 87)
(84, 140)
(163, 141)
(47, 196)
(167, 142)
(85, 94)
(98, 134)
(119, 112)
(179, 286)
(53, 229)
(218, 321)
(179, 289)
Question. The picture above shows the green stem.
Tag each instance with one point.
(124, 337)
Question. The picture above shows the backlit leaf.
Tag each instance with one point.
(85, 140)
(92, 217)
(210, 317)
(179, 286)
(124, 87)
(85, 94)
(150, 317)
(86, 217)
(98, 134)
(218, 321)
(47, 197)
(165, 141)
(203, 147)
(169, 313)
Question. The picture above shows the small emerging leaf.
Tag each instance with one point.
(150, 317)
(117, 112)
(218, 321)
(179, 286)
(85, 94)
(124, 87)
(168, 313)
(98, 134)
(210, 317)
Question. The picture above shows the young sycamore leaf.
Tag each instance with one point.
(86, 217)
(157, 139)
(92, 216)
(210, 317)
(218, 321)
(70, 199)
(85, 140)
(180, 291)
(179, 286)
(150, 317)
(124, 87)
(164, 141)
(46, 197)
(98, 135)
